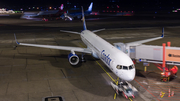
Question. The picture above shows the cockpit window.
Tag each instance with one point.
(130, 67)
(125, 67)
(119, 67)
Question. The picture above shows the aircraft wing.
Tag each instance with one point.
(77, 49)
(146, 40)
(143, 41)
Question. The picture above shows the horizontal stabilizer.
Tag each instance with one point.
(70, 32)
(98, 30)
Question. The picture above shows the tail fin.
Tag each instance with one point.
(83, 19)
(61, 7)
(90, 7)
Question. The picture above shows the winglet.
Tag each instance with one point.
(83, 18)
(16, 39)
(162, 32)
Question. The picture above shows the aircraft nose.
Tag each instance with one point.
(129, 76)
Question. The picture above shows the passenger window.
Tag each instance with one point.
(125, 67)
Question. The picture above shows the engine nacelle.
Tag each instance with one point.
(73, 59)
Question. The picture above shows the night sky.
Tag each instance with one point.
(39, 2)
(124, 4)
(30, 2)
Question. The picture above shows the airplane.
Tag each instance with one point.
(71, 16)
(98, 48)
(115, 59)
(41, 14)
(29, 15)
(51, 12)
(2, 11)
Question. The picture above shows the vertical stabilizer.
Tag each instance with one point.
(61, 7)
(90, 7)
(83, 19)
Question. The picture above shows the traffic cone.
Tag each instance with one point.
(169, 95)
(160, 94)
(172, 94)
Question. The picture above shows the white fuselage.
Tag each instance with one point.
(48, 12)
(110, 55)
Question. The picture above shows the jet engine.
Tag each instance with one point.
(73, 59)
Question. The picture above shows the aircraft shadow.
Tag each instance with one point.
(81, 73)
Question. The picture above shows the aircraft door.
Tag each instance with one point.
(114, 68)
(112, 65)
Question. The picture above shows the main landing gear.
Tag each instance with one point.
(82, 58)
